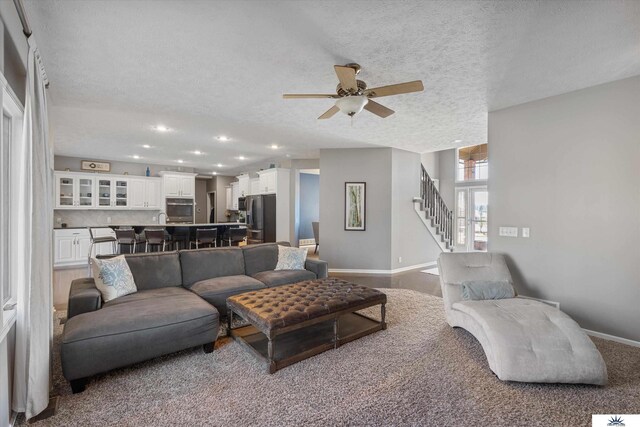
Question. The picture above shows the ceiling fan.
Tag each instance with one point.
(353, 96)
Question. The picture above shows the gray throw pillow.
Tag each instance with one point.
(291, 258)
(487, 289)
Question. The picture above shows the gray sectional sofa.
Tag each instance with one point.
(178, 304)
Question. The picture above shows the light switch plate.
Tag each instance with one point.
(508, 231)
(525, 231)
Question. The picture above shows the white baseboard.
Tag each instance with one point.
(612, 338)
(394, 271)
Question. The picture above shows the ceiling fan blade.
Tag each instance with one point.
(308, 95)
(329, 113)
(347, 77)
(397, 89)
(378, 110)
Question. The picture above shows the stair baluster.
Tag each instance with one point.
(436, 209)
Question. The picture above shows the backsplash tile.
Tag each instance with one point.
(93, 218)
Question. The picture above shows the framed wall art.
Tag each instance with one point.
(355, 206)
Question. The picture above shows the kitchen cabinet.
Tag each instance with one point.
(235, 193)
(178, 184)
(273, 181)
(254, 186)
(79, 190)
(229, 198)
(145, 193)
(243, 185)
(74, 191)
(112, 192)
(71, 246)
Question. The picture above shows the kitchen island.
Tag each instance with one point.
(182, 232)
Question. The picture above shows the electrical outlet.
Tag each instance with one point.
(525, 231)
(108, 220)
(400, 259)
(508, 231)
(154, 219)
(58, 220)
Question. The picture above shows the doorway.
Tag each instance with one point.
(472, 220)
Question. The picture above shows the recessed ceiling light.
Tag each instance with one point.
(161, 128)
(457, 141)
(146, 146)
(274, 146)
(241, 157)
(214, 173)
(219, 165)
(135, 156)
(222, 138)
(288, 155)
(180, 161)
(197, 152)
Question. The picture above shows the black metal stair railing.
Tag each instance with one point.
(436, 209)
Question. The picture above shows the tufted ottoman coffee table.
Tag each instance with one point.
(291, 323)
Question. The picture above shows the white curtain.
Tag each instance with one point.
(33, 258)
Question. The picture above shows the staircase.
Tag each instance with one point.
(434, 213)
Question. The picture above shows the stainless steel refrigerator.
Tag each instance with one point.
(261, 218)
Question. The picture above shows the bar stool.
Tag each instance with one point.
(155, 237)
(96, 240)
(127, 237)
(180, 237)
(206, 237)
(236, 235)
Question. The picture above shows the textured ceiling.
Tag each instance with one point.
(207, 68)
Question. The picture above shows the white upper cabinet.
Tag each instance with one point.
(229, 198)
(178, 184)
(75, 191)
(235, 193)
(78, 190)
(270, 180)
(243, 185)
(145, 193)
(254, 186)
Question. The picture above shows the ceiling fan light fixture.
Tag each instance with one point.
(352, 105)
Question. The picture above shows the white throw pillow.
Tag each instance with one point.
(113, 277)
(291, 258)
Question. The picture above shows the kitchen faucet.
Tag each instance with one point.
(166, 217)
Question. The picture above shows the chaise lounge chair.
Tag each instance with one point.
(524, 340)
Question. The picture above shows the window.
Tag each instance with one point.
(10, 132)
(472, 163)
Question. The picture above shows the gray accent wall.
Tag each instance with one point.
(568, 167)
(369, 249)
(309, 203)
(393, 228)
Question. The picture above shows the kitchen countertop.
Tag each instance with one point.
(211, 224)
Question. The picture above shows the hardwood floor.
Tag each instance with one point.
(414, 279)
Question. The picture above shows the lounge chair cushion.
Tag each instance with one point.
(529, 341)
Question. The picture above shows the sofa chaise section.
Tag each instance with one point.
(161, 318)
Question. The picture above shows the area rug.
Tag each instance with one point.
(418, 372)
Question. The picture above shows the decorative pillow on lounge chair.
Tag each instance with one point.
(487, 289)
(291, 258)
(113, 277)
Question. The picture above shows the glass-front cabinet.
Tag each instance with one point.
(74, 191)
(112, 192)
(79, 190)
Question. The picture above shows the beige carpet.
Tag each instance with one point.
(417, 372)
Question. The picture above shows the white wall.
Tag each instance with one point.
(411, 240)
(568, 167)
